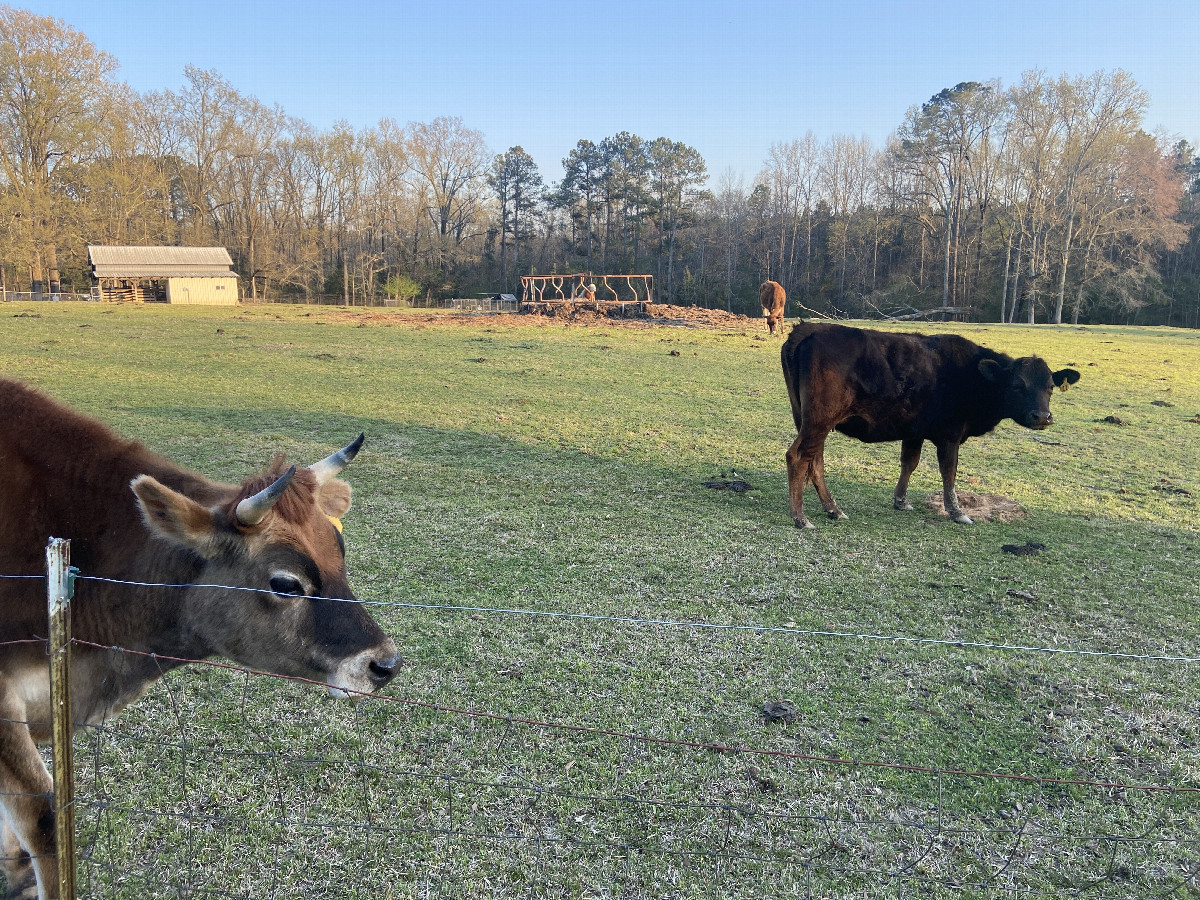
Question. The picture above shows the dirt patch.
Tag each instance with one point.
(700, 317)
(1169, 487)
(652, 314)
(737, 485)
(585, 316)
(1029, 548)
(779, 711)
(980, 507)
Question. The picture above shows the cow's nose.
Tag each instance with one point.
(382, 670)
(1040, 419)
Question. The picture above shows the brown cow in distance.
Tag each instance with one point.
(885, 386)
(133, 515)
(773, 299)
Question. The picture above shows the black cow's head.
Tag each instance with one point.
(1027, 384)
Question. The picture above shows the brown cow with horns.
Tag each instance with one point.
(886, 386)
(134, 516)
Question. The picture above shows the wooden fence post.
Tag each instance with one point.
(60, 578)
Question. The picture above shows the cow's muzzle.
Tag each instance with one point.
(366, 672)
(1039, 420)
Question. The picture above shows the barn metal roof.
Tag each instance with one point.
(160, 262)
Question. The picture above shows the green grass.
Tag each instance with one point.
(558, 468)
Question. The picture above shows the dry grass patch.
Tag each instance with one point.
(980, 507)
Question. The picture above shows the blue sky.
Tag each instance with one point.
(729, 78)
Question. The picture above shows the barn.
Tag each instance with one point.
(196, 275)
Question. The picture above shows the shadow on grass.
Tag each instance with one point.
(1134, 575)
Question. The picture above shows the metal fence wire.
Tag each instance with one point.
(227, 782)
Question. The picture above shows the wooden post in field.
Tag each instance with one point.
(60, 579)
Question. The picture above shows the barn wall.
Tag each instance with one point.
(203, 291)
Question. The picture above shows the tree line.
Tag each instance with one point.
(1042, 201)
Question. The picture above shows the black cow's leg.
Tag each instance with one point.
(910, 456)
(799, 467)
(948, 462)
(818, 480)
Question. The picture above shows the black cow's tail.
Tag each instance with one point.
(787, 357)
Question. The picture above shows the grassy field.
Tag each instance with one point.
(541, 466)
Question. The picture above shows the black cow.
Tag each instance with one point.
(884, 386)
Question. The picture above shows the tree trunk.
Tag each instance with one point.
(921, 268)
(1004, 284)
(35, 275)
(875, 257)
(250, 254)
(52, 270)
(946, 267)
(504, 244)
(808, 257)
(671, 263)
(1016, 290)
(1031, 287)
(516, 238)
(1062, 275)
(588, 210)
(954, 237)
(1087, 254)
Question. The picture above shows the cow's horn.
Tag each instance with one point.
(254, 509)
(331, 465)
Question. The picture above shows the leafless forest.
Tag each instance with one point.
(1045, 200)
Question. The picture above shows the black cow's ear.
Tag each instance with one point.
(991, 370)
(1063, 378)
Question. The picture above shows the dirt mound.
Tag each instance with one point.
(980, 507)
(702, 317)
(584, 315)
(652, 314)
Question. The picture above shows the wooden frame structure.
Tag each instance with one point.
(584, 287)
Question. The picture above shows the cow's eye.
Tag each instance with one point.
(286, 584)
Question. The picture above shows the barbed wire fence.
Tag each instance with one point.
(233, 782)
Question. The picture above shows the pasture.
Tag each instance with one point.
(531, 465)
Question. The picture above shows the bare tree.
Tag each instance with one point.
(677, 174)
(1096, 113)
(730, 212)
(54, 85)
(791, 174)
(846, 183)
(937, 143)
(451, 161)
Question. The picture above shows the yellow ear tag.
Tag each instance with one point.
(337, 523)
(1062, 387)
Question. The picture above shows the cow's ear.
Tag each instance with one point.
(172, 516)
(1064, 378)
(991, 370)
(333, 497)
